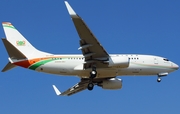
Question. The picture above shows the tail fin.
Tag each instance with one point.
(18, 47)
(19, 43)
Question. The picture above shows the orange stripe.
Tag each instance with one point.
(27, 63)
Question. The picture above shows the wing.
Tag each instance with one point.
(82, 85)
(92, 50)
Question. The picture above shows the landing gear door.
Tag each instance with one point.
(155, 61)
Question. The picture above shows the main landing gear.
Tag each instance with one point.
(90, 86)
(93, 74)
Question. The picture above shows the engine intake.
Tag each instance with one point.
(119, 61)
(113, 83)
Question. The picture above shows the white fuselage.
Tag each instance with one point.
(138, 65)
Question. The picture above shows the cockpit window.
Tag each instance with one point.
(166, 59)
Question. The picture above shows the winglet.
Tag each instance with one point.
(70, 10)
(56, 90)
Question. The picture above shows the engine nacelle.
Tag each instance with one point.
(113, 83)
(119, 61)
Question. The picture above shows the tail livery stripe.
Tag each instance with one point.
(37, 62)
(8, 24)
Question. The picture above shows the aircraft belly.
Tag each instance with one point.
(75, 69)
(141, 70)
(101, 73)
(57, 68)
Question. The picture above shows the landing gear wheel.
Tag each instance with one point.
(93, 74)
(159, 80)
(90, 86)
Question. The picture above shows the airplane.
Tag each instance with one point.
(95, 66)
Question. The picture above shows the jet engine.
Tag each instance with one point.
(112, 83)
(119, 61)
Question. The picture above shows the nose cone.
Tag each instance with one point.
(176, 67)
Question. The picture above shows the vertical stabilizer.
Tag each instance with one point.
(19, 42)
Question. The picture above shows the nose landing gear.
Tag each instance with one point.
(159, 79)
(161, 75)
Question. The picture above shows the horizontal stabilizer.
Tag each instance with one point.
(8, 67)
(13, 52)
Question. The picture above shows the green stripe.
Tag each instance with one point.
(9, 26)
(42, 62)
(38, 64)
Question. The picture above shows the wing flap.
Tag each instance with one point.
(82, 85)
(76, 88)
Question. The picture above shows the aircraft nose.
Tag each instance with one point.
(175, 66)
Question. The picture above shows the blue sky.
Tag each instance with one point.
(142, 27)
